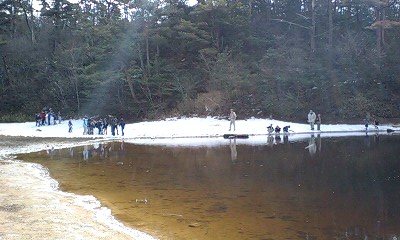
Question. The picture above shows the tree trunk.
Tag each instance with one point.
(129, 80)
(6, 81)
(29, 21)
(146, 90)
(313, 27)
(147, 47)
(13, 20)
(78, 102)
(379, 31)
(33, 37)
(330, 23)
(157, 54)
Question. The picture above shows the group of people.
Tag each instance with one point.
(277, 129)
(370, 119)
(313, 119)
(47, 117)
(89, 124)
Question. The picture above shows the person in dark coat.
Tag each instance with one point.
(366, 123)
(286, 129)
(270, 129)
(99, 127)
(376, 123)
(105, 126)
(114, 125)
(37, 119)
(277, 129)
(70, 126)
(318, 121)
(122, 124)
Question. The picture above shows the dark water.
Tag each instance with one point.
(339, 188)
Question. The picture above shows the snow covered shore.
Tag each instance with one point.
(187, 131)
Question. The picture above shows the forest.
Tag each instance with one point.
(151, 59)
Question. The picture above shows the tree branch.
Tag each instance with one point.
(291, 23)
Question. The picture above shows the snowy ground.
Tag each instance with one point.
(188, 131)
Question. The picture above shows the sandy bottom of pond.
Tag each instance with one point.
(32, 207)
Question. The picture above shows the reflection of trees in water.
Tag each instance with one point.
(347, 181)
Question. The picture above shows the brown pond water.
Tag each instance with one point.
(340, 188)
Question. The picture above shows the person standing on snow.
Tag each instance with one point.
(318, 122)
(48, 115)
(89, 129)
(59, 117)
(70, 126)
(43, 116)
(105, 125)
(37, 119)
(232, 118)
(311, 119)
(85, 131)
(366, 122)
(122, 124)
(114, 125)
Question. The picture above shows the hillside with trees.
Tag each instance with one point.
(150, 59)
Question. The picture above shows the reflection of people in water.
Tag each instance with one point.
(123, 150)
(270, 140)
(312, 147)
(104, 150)
(319, 142)
(366, 140)
(232, 144)
(376, 138)
(71, 152)
(277, 139)
(285, 139)
(85, 152)
(50, 151)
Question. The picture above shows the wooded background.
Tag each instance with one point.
(150, 59)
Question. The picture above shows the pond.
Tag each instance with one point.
(316, 188)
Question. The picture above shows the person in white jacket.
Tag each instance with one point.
(232, 118)
(311, 119)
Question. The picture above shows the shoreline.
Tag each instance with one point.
(183, 128)
(33, 207)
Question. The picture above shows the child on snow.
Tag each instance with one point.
(70, 126)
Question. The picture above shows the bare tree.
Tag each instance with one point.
(313, 26)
